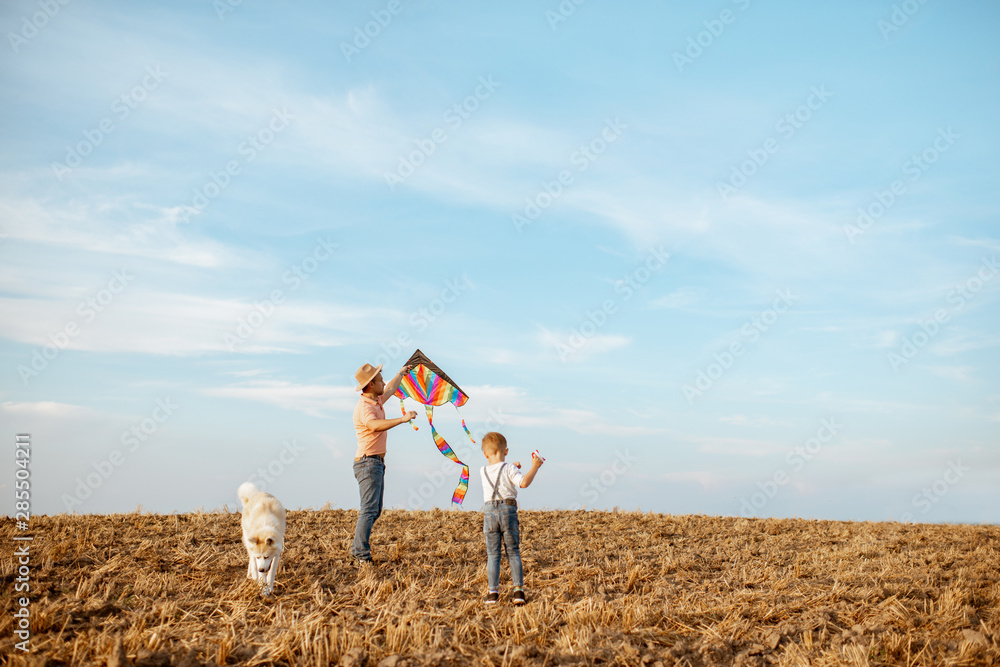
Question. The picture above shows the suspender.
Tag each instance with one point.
(496, 486)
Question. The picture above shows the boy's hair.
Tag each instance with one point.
(493, 442)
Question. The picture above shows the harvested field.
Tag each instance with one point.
(603, 588)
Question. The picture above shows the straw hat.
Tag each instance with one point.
(365, 375)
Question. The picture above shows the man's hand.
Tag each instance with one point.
(379, 425)
(393, 384)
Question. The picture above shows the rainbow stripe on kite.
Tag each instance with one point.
(430, 388)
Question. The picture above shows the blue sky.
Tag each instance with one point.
(634, 235)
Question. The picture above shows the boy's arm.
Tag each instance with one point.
(530, 475)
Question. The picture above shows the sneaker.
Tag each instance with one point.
(518, 597)
(491, 598)
(363, 563)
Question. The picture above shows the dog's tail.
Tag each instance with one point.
(246, 490)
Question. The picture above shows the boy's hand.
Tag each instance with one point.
(517, 464)
(536, 463)
(410, 415)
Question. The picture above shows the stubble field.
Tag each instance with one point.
(603, 588)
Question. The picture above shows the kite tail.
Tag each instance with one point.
(402, 407)
(463, 486)
(445, 448)
(464, 426)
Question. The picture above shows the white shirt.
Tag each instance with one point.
(509, 483)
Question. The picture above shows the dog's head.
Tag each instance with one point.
(264, 547)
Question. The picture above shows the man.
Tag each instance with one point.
(369, 461)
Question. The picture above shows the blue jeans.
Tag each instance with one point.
(500, 525)
(370, 474)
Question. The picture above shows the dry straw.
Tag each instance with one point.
(604, 588)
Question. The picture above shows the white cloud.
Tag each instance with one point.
(962, 339)
(591, 423)
(836, 404)
(337, 446)
(882, 340)
(707, 479)
(514, 406)
(255, 372)
(499, 355)
(679, 298)
(738, 446)
(959, 373)
(313, 400)
(123, 225)
(503, 405)
(756, 422)
(574, 347)
(47, 410)
(989, 244)
(146, 321)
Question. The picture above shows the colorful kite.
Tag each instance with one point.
(428, 384)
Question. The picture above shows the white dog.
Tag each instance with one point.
(263, 534)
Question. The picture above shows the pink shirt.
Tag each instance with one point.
(369, 442)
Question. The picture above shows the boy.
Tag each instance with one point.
(501, 481)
